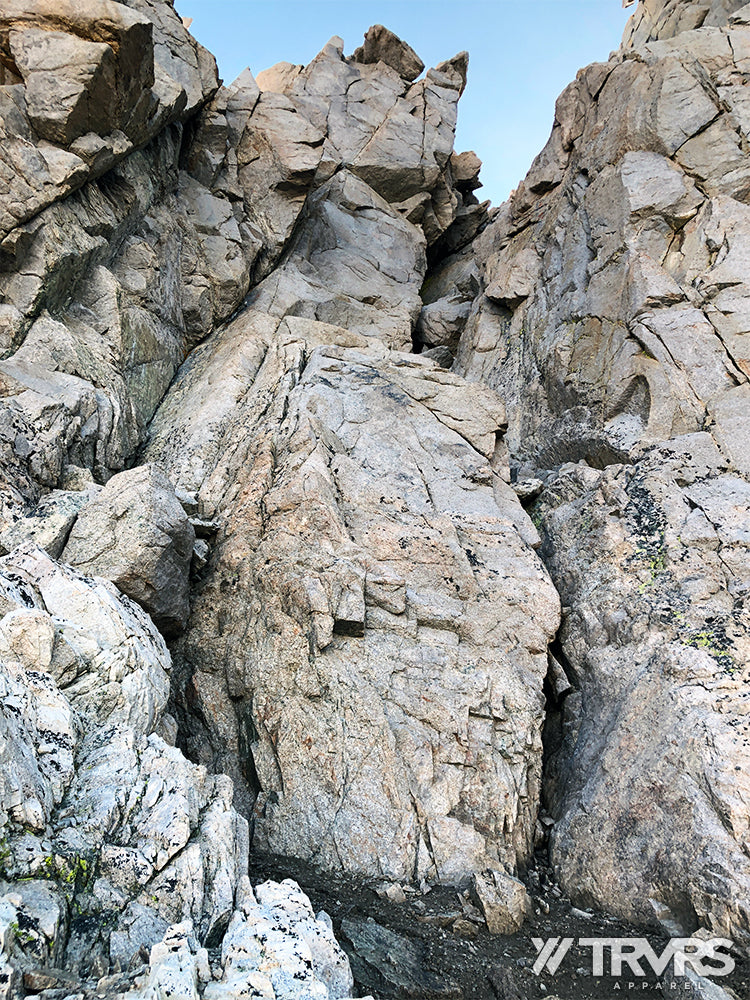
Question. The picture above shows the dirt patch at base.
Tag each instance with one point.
(429, 949)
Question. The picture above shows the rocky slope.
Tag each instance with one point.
(442, 510)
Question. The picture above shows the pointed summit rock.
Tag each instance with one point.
(381, 45)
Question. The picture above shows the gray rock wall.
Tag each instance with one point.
(373, 607)
(612, 320)
(272, 370)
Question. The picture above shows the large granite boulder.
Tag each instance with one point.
(368, 645)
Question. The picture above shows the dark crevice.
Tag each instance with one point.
(556, 751)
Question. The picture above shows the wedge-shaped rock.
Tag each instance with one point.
(136, 533)
(70, 83)
(354, 262)
(381, 45)
(503, 900)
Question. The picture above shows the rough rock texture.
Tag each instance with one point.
(208, 299)
(107, 290)
(274, 947)
(136, 534)
(86, 679)
(381, 45)
(612, 318)
(113, 261)
(503, 900)
(103, 291)
(92, 81)
(110, 837)
(267, 147)
(653, 563)
(353, 262)
(655, 19)
(142, 201)
(355, 568)
(49, 524)
(399, 964)
(377, 618)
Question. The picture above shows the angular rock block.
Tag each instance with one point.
(137, 534)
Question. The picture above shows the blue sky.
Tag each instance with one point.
(522, 54)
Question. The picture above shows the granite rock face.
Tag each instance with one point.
(650, 735)
(369, 545)
(107, 291)
(443, 510)
(122, 262)
(656, 19)
(113, 842)
(86, 84)
(270, 144)
(114, 261)
(143, 203)
(377, 617)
